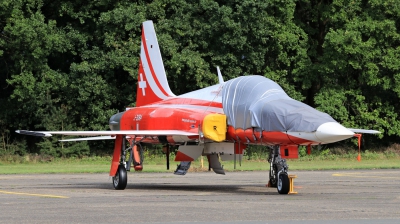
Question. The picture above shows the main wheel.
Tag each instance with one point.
(120, 179)
(283, 184)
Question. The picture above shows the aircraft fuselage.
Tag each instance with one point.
(187, 112)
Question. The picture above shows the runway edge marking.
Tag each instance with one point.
(36, 195)
(362, 175)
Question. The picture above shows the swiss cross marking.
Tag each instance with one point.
(142, 84)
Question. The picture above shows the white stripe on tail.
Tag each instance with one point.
(152, 83)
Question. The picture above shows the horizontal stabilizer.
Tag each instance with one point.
(364, 131)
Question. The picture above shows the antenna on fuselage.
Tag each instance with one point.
(220, 79)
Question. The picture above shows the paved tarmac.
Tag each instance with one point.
(357, 196)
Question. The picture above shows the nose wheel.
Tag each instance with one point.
(121, 178)
(283, 184)
(278, 174)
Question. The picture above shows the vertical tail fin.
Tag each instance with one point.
(152, 83)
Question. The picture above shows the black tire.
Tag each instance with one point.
(283, 184)
(120, 179)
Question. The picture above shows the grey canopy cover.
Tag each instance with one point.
(256, 101)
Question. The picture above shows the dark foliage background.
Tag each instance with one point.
(70, 64)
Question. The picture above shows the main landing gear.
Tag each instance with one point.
(120, 179)
(278, 173)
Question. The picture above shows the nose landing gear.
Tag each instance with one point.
(278, 173)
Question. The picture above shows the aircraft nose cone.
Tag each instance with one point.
(332, 132)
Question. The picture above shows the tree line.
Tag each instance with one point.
(71, 64)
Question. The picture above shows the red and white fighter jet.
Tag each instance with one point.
(218, 121)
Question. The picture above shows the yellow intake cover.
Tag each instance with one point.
(214, 127)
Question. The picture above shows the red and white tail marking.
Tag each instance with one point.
(152, 83)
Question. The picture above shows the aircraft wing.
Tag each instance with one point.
(107, 134)
(364, 131)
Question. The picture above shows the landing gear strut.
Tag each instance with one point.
(120, 179)
(135, 158)
(278, 176)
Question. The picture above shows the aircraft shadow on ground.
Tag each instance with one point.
(229, 189)
(239, 189)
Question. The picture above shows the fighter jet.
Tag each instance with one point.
(218, 122)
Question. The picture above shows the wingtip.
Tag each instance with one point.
(33, 133)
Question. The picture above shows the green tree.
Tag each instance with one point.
(70, 65)
(359, 64)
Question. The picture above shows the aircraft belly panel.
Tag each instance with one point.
(219, 148)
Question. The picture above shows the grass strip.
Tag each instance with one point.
(102, 165)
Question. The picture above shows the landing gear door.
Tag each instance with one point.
(189, 152)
